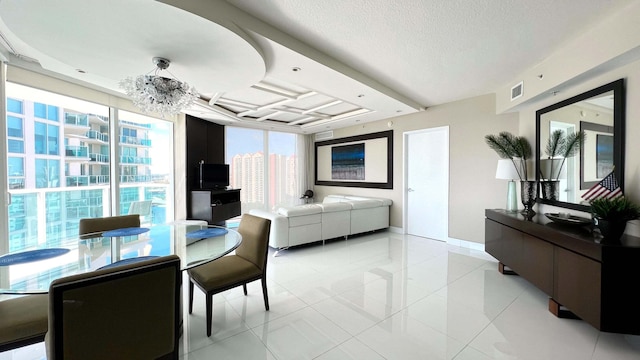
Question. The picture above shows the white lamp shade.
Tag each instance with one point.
(549, 169)
(506, 170)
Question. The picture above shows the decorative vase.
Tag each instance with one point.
(550, 189)
(528, 192)
(611, 230)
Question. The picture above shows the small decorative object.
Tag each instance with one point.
(559, 147)
(507, 171)
(154, 93)
(567, 219)
(528, 191)
(518, 150)
(610, 216)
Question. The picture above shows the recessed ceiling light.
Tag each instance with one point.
(296, 69)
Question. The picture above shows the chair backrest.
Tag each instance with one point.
(98, 225)
(255, 239)
(125, 312)
(142, 208)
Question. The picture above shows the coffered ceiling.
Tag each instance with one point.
(297, 65)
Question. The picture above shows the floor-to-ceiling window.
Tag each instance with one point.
(59, 166)
(264, 165)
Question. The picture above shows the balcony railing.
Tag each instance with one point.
(94, 134)
(125, 122)
(77, 151)
(86, 180)
(135, 178)
(130, 140)
(135, 160)
(76, 119)
(96, 157)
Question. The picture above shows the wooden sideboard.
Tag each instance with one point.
(583, 278)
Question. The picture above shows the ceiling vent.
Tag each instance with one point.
(325, 135)
(516, 91)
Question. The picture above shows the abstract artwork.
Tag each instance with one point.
(356, 161)
(347, 162)
(604, 155)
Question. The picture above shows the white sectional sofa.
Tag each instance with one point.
(337, 216)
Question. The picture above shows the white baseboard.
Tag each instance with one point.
(466, 244)
(396, 230)
(457, 242)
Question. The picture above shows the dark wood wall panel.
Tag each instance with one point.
(205, 141)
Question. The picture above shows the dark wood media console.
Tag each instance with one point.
(583, 278)
(215, 206)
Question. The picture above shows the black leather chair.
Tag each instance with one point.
(122, 312)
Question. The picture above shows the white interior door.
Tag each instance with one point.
(427, 183)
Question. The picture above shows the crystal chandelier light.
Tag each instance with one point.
(154, 93)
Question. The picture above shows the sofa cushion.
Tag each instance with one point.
(299, 210)
(364, 204)
(385, 202)
(335, 206)
(333, 199)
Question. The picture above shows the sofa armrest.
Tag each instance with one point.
(279, 233)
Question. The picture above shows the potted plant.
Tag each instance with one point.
(610, 216)
(518, 149)
(559, 147)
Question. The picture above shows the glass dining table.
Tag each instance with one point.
(31, 271)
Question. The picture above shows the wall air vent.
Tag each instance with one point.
(516, 91)
(325, 135)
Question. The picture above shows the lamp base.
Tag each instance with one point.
(512, 198)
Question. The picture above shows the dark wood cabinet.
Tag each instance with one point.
(583, 278)
(215, 206)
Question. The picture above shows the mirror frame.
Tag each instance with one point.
(618, 136)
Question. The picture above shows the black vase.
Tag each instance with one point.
(528, 192)
(611, 230)
(550, 189)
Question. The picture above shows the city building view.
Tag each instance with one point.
(59, 168)
(265, 182)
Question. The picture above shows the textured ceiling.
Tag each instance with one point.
(298, 65)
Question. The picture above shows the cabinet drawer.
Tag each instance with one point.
(577, 285)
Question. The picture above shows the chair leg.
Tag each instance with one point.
(264, 293)
(244, 287)
(209, 313)
(190, 296)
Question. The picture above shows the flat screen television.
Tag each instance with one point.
(213, 176)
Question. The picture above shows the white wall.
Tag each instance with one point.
(472, 185)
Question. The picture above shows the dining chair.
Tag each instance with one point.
(123, 312)
(90, 227)
(23, 321)
(141, 208)
(249, 263)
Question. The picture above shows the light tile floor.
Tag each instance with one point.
(388, 296)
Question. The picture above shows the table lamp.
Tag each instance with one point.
(507, 171)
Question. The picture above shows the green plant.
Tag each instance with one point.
(619, 209)
(509, 146)
(563, 146)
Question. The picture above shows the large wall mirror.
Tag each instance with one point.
(599, 113)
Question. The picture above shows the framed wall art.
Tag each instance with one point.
(356, 161)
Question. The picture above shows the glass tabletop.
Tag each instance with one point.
(31, 271)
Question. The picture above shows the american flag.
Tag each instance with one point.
(606, 188)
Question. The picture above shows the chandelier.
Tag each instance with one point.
(154, 93)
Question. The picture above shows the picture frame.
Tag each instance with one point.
(595, 161)
(372, 170)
